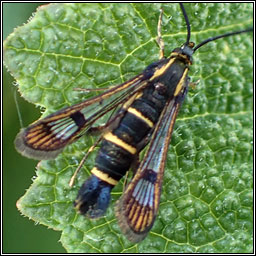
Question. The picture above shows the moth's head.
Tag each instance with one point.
(184, 53)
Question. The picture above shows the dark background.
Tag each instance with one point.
(20, 235)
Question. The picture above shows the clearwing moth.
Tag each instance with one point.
(145, 109)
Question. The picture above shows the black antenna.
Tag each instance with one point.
(221, 36)
(187, 22)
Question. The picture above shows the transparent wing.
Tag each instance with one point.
(136, 209)
(47, 137)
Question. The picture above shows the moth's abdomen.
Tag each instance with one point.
(120, 145)
(118, 151)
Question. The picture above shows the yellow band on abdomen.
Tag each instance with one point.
(103, 176)
(115, 140)
(141, 116)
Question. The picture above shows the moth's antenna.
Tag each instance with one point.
(221, 36)
(18, 109)
(187, 22)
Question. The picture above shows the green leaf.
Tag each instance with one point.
(206, 202)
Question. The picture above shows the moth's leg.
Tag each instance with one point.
(86, 90)
(193, 84)
(97, 130)
(72, 180)
(159, 36)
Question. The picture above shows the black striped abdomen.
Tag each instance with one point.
(120, 145)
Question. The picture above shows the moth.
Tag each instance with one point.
(144, 110)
